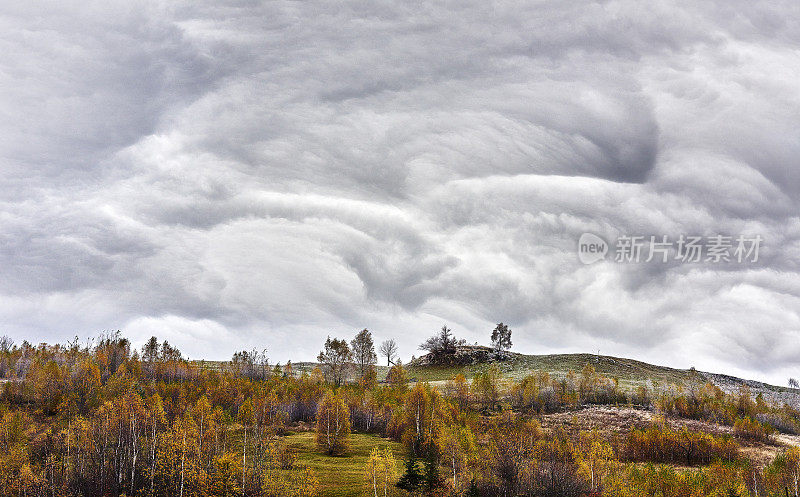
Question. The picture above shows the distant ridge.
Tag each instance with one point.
(631, 373)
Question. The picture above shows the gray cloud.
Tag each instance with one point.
(245, 174)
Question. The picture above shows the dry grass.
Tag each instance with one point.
(614, 423)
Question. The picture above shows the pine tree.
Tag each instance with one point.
(432, 477)
(412, 479)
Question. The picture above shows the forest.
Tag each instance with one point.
(108, 419)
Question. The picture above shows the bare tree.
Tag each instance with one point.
(793, 383)
(389, 351)
(253, 364)
(6, 343)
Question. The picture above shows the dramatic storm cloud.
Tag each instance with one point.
(263, 174)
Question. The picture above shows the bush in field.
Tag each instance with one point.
(536, 392)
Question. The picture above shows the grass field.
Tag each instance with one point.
(342, 476)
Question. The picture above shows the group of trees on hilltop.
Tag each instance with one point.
(444, 344)
(339, 358)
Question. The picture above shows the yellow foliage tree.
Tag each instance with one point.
(227, 474)
(333, 424)
(380, 471)
(595, 457)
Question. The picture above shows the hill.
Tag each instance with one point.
(630, 372)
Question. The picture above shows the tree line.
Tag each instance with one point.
(105, 419)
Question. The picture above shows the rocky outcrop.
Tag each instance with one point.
(463, 355)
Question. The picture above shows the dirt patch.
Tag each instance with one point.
(610, 420)
(616, 422)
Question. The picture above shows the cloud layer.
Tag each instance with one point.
(247, 174)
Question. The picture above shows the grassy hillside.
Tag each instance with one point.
(627, 370)
(630, 372)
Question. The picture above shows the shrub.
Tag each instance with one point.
(782, 422)
(751, 429)
(661, 444)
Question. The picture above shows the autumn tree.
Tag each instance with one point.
(457, 445)
(396, 377)
(423, 416)
(458, 390)
(150, 354)
(246, 418)
(111, 351)
(252, 364)
(363, 350)
(486, 386)
(333, 424)
(784, 471)
(512, 450)
(336, 358)
(226, 477)
(380, 472)
(595, 457)
(6, 343)
(177, 470)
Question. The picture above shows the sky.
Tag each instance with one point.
(242, 174)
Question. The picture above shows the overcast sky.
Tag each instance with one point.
(264, 174)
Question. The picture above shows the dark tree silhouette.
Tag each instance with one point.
(501, 339)
(389, 351)
(442, 344)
